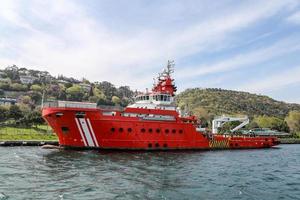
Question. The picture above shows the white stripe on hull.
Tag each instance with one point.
(80, 131)
(86, 132)
(92, 131)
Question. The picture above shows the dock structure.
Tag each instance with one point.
(27, 143)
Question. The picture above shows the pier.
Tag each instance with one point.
(27, 143)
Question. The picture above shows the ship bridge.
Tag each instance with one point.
(163, 92)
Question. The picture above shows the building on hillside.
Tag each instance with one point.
(44, 77)
(7, 101)
(27, 79)
(86, 87)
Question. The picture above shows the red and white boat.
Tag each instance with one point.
(152, 122)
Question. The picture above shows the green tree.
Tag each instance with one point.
(18, 87)
(15, 112)
(36, 88)
(4, 113)
(116, 100)
(75, 93)
(272, 123)
(293, 121)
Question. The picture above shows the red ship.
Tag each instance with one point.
(152, 122)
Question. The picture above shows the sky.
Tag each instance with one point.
(245, 45)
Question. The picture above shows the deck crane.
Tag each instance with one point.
(220, 121)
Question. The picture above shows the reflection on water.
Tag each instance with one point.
(34, 173)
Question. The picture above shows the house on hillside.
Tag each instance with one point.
(45, 76)
(25, 79)
(86, 87)
(7, 101)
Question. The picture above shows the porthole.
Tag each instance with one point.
(112, 129)
(157, 130)
(150, 130)
(173, 131)
(129, 130)
(143, 130)
(65, 129)
(236, 144)
(167, 131)
(156, 145)
(165, 145)
(180, 131)
(120, 130)
(150, 145)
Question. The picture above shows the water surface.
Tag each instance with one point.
(35, 173)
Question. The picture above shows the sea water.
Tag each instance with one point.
(35, 173)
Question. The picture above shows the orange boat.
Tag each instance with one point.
(152, 122)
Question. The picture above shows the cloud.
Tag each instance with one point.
(275, 81)
(63, 38)
(294, 18)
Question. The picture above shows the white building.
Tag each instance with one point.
(85, 87)
(27, 79)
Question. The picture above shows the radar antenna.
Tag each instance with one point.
(170, 67)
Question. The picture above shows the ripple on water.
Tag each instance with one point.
(34, 173)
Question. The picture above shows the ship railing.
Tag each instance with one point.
(68, 104)
(111, 108)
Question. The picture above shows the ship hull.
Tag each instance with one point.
(90, 129)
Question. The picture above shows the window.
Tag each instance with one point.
(143, 130)
(157, 130)
(173, 131)
(165, 98)
(129, 130)
(65, 129)
(120, 130)
(150, 130)
(167, 131)
(161, 98)
(180, 131)
(156, 145)
(112, 129)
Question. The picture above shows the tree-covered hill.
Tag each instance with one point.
(220, 101)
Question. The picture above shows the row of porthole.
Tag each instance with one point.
(150, 130)
(157, 145)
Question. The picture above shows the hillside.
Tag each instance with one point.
(219, 101)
